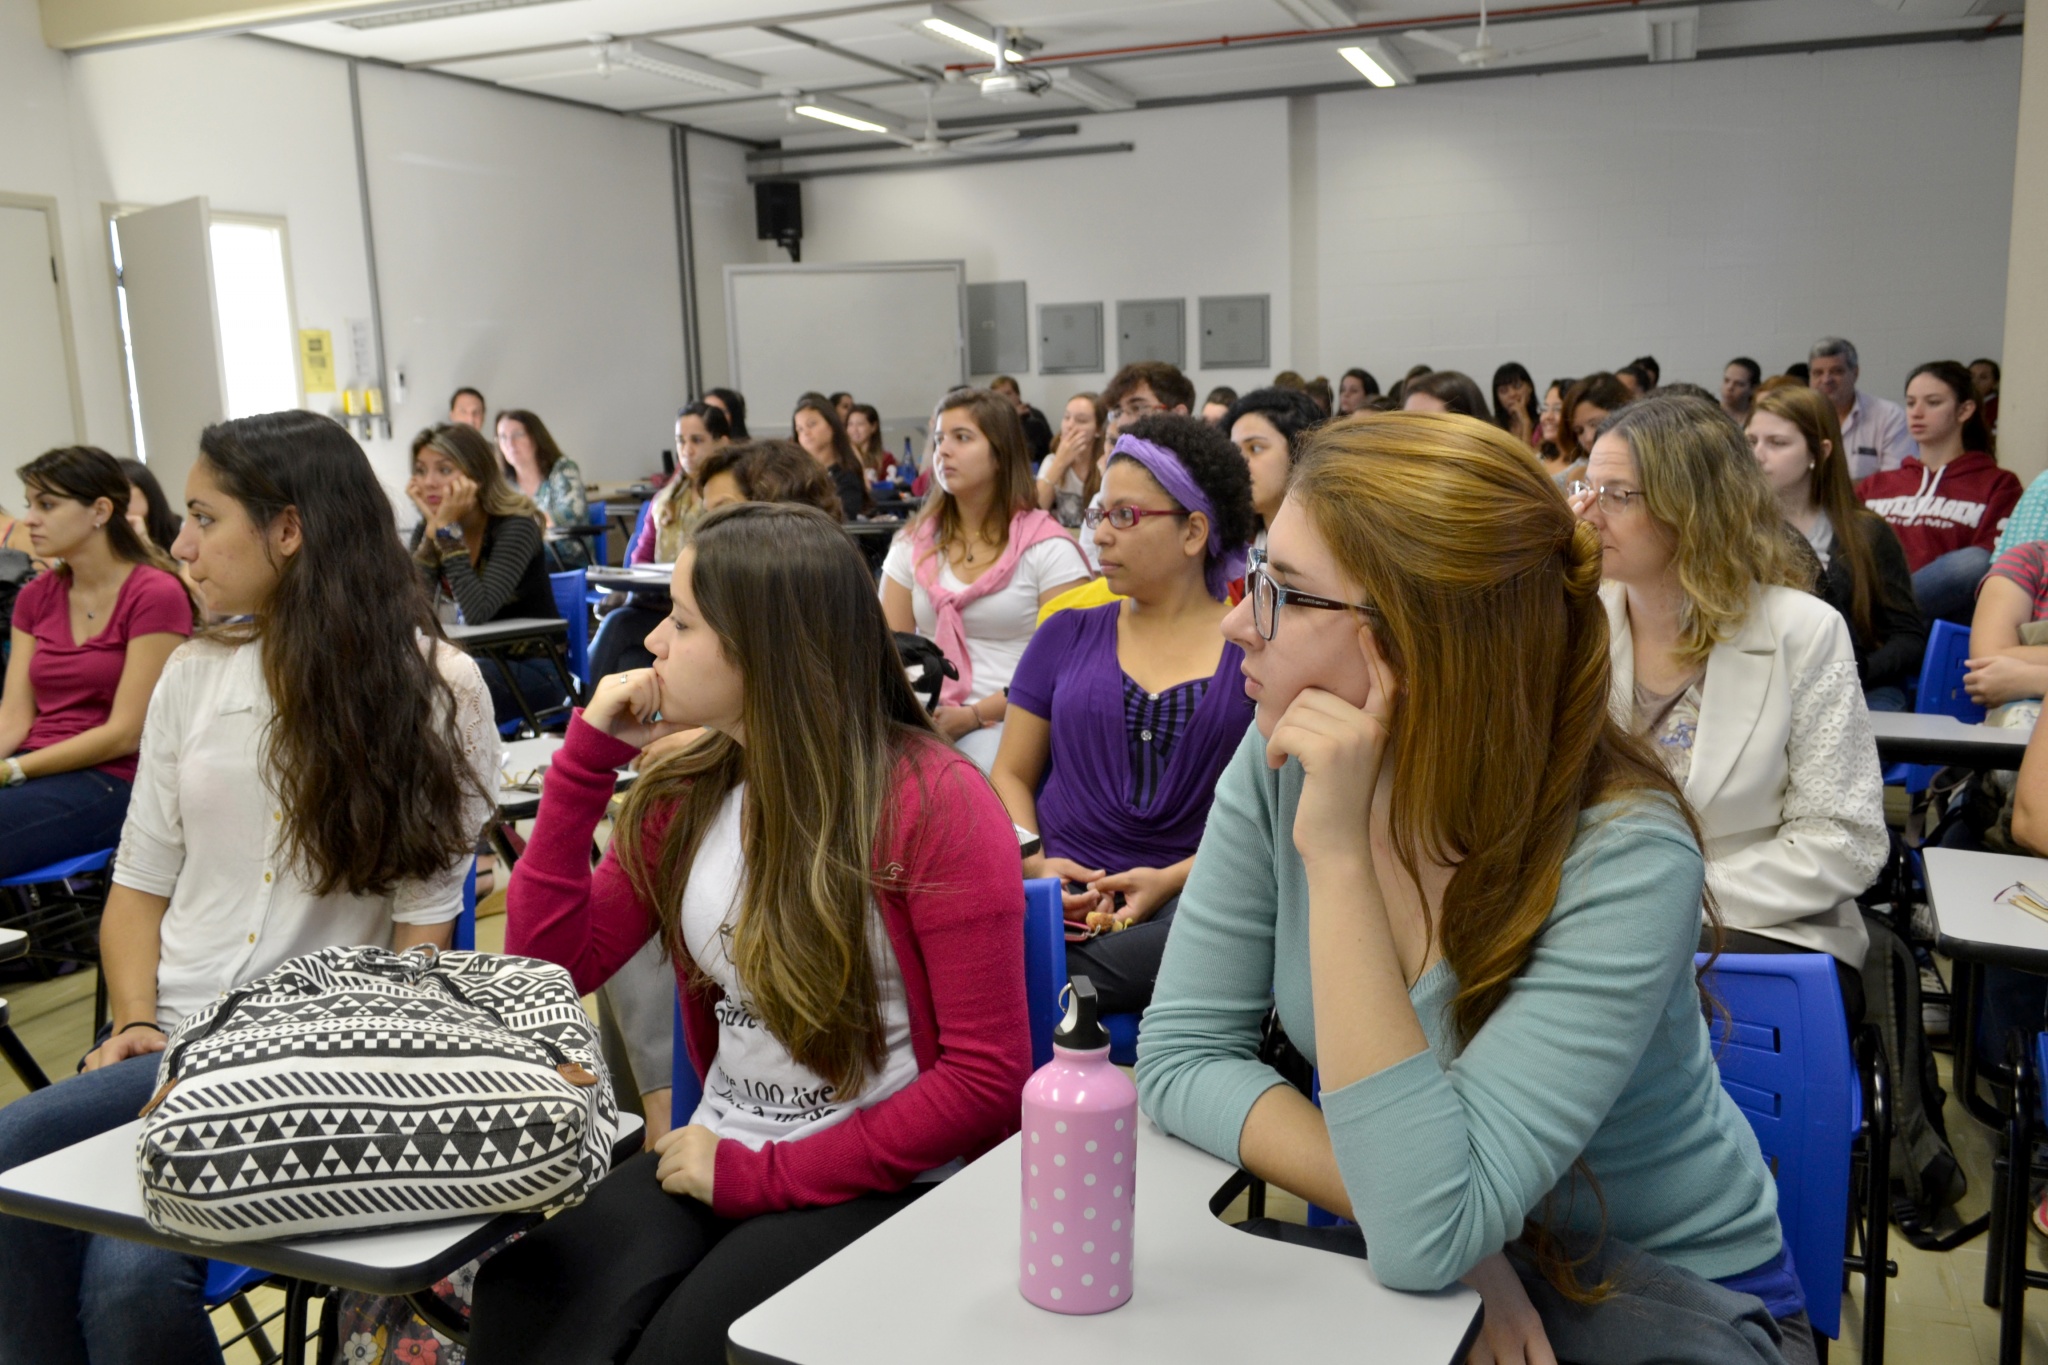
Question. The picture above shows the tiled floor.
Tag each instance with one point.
(1937, 1314)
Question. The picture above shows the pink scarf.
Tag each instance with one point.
(1027, 529)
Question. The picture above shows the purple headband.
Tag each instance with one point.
(1223, 566)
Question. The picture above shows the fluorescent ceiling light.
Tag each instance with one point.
(846, 114)
(1378, 64)
(454, 9)
(1085, 86)
(659, 59)
(964, 30)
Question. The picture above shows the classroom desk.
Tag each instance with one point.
(13, 944)
(633, 578)
(523, 756)
(1908, 737)
(93, 1186)
(1973, 931)
(937, 1285)
(496, 639)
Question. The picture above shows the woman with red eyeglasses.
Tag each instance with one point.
(1121, 716)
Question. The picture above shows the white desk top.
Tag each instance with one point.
(1969, 922)
(937, 1285)
(93, 1185)
(1908, 737)
(506, 628)
(13, 943)
(522, 756)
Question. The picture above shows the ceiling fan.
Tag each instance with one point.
(1482, 53)
(931, 144)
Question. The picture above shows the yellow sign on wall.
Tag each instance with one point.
(316, 359)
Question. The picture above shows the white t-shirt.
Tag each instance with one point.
(754, 1091)
(999, 625)
(204, 830)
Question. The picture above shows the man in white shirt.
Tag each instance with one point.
(1873, 429)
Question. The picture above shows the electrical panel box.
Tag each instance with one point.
(998, 328)
(1236, 334)
(1152, 329)
(1070, 338)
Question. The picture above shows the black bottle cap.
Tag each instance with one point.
(1081, 1030)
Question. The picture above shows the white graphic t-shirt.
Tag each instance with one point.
(754, 1091)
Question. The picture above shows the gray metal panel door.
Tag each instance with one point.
(1070, 338)
(1152, 329)
(998, 328)
(35, 375)
(167, 271)
(1235, 332)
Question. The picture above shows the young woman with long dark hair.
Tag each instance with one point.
(1474, 900)
(816, 427)
(1798, 443)
(148, 510)
(88, 643)
(1070, 477)
(841, 897)
(1947, 502)
(980, 560)
(734, 405)
(864, 433)
(478, 547)
(536, 466)
(1514, 403)
(314, 774)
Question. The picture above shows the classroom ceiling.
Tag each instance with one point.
(765, 56)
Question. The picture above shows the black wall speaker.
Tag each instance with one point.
(779, 213)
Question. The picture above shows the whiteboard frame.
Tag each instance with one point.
(732, 322)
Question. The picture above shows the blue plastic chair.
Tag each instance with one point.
(2007, 1277)
(572, 599)
(685, 1090)
(1940, 694)
(226, 1285)
(1045, 963)
(1784, 1057)
(599, 518)
(1123, 1037)
(65, 916)
(465, 923)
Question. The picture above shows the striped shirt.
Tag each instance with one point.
(1154, 721)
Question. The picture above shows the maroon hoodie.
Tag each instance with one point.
(1933, 511)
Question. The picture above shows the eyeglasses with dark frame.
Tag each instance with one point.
(1268, 597)
(1124, 518)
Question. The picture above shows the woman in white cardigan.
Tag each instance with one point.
(1741, 679)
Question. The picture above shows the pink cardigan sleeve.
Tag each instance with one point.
(963, 953)
(556, 908)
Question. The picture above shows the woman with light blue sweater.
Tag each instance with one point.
(1473, 900)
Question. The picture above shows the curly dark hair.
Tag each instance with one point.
(1215, 465)
(1293, 414)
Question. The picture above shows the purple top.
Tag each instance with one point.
(1069, 677)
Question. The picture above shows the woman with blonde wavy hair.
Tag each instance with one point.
(840, 894)
(1473, 900)
(1740, 677)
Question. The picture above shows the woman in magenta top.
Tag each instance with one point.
(88, 642)
(840, 893)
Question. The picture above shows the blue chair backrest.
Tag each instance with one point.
(599, 516)
(57, 872)
(1941, 675)
(1783, 1050)
(465, 923)
(1123, 1037)
(572, 591)
(1045, 963)
(224, 1281)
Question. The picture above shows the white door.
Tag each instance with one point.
(35, 372)
(167, 275)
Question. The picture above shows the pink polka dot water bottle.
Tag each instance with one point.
(1080, 1169)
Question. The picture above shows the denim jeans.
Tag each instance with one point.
(1946, 586)
(621, 641)
(1885, 698)
(70, 1297)
(64, 815)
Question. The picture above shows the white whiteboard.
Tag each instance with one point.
(893, 334)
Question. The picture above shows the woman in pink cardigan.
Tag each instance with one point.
(842, 897)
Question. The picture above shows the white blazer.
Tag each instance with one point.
(1785, 777)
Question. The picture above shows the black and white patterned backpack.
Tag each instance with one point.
(360, 1088)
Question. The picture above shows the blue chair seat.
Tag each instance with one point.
(57, 872)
